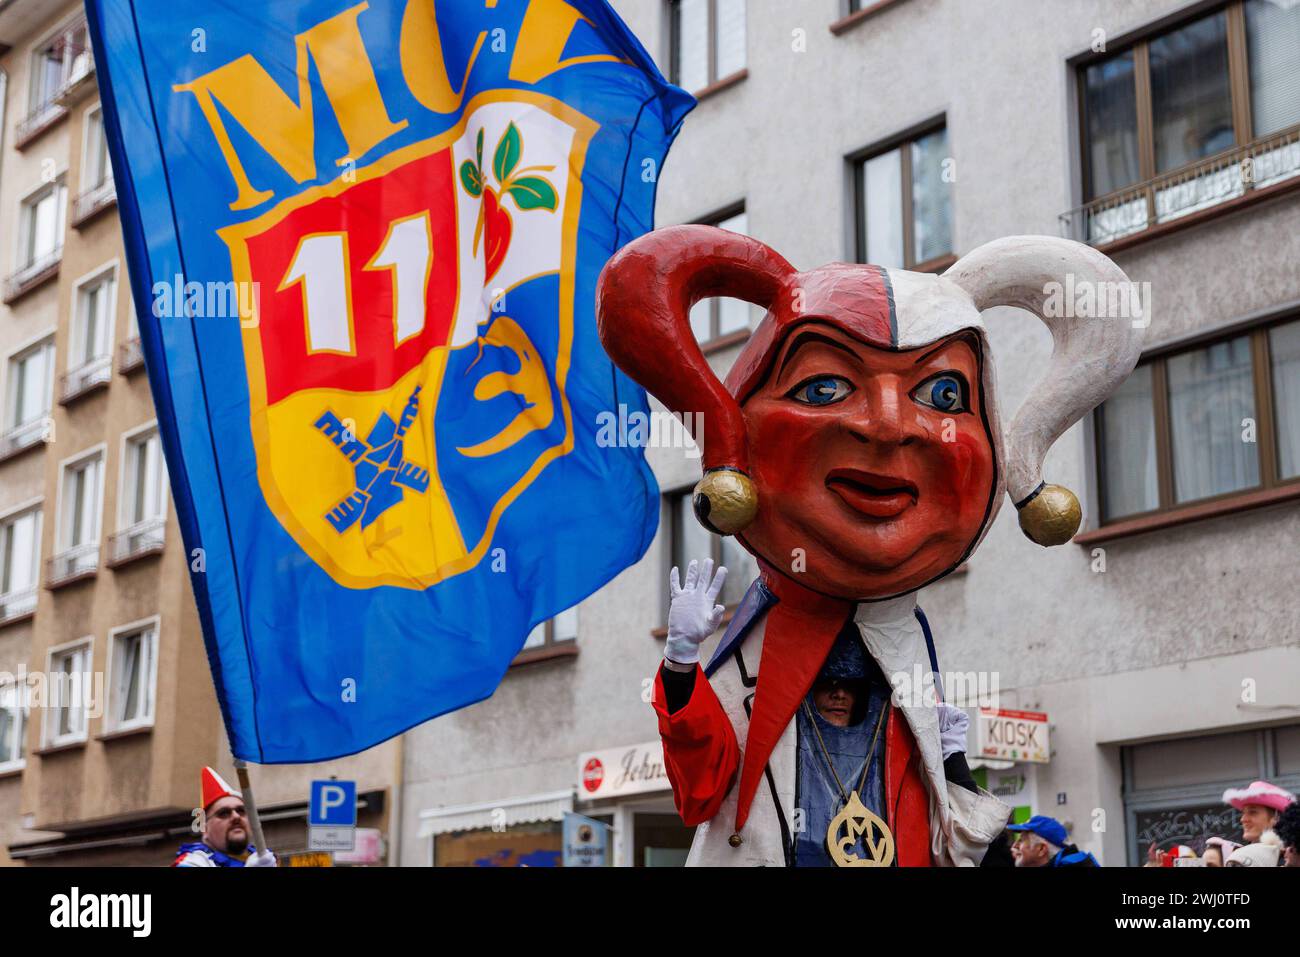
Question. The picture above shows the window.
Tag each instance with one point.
(708, 41)
(70, 684)
(41, 237)
(96, 171)
(1202, 423)
(27, 397)
(80, 498)
(142, 500)
(1191, 117)
(93, 321)
(903, 202)
(133, 668)
(562, 629)
(90, 362)
(14, 707)
(714, 319)
(1173, 790)
(691, 541)
(20, 552)
(58, 63)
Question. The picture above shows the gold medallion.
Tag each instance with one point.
(857, 821)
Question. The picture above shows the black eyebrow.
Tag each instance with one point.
(962, 336)
(806, 337)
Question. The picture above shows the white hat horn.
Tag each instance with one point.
(1077, 292)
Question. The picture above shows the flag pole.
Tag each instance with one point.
(246, 791)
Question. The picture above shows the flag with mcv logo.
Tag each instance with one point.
(364, 238)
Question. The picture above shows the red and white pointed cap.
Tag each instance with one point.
(215, 788)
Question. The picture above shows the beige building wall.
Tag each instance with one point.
(118, 796)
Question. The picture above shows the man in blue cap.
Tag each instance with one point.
(1044, 843)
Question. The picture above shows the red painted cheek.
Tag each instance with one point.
(963, 472)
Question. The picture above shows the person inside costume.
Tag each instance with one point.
(856, 451)
(225, 831)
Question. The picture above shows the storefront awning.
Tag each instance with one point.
(522, 810)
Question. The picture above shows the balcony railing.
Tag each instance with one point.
(24, 436)
(16, 604)
(1231, 175)
(130, 356)
(38, 121)
(35, 273)
(72, 564)
(78, 80)
(93, 201)
(143, 538)
(92, 375)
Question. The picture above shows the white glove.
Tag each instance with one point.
(693, 614)
(953, 724)
(261, 859)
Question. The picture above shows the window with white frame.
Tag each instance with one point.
(142, 502)
(31, 383)
(93, 321)
(96, 170)
(131, 694)
(68, 693)
(81, 495)
(20, 548)
(59, 62)
(41, 226)
(14, 702)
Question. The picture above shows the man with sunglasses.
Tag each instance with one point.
(225, 831)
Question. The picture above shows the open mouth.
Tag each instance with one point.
(872, 494)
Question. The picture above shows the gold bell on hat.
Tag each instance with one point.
(725, 501)
(1050, 515)
(735, 840)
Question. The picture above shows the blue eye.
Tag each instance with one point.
(822, 390)
(945, 392)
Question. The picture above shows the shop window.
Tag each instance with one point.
(539, 844)
(1203, 423)
(903, 202)
(707, 38)
(1173, 790)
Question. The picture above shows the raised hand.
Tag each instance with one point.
(693, 613)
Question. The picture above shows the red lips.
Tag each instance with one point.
(872, 494)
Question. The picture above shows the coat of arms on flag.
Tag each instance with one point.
(379, 295)
(389, 458)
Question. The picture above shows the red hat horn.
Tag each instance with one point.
(643, 304)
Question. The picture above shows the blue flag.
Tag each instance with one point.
(364, 238)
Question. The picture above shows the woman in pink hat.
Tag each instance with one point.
(1259, 804)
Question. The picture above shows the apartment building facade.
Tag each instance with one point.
(107, 710)
(1163, 645)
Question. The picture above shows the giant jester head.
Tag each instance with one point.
(856, 444)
